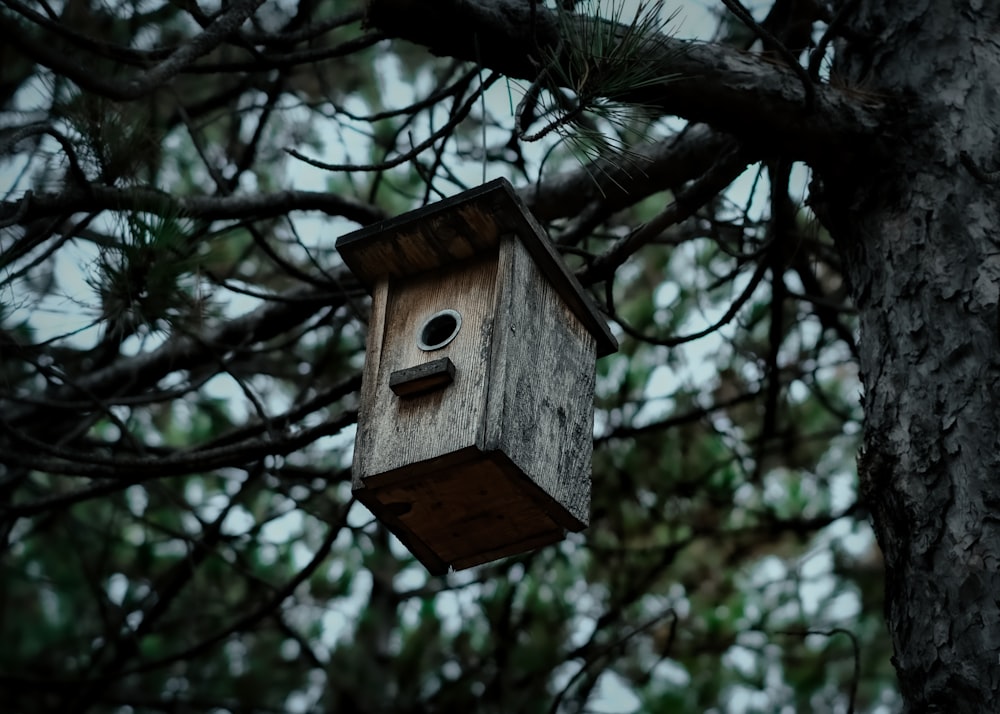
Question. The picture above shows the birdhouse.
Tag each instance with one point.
(475, 430)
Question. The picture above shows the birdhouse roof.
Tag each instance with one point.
(460, 227)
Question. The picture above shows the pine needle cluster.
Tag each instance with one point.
(148, 280)
(604, 54)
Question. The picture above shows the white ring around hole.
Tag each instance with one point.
(439, 322)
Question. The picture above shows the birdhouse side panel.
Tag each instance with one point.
(442, 316)
(541, 401)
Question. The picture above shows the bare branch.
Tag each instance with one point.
(36, 454)
(617, 184)
(134, 374)
(686, 203)
(55, 59)
(267, 205)
(459, 113)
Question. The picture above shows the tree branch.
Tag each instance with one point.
(142, 84)
(36, 454)
(744, 94)
(685, 204)
(133, 374)
(268, 205)
(618, 183)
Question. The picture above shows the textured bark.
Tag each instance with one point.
(758, 100)
(609, 185)
(918, 228)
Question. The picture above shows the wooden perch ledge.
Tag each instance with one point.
(760, 101)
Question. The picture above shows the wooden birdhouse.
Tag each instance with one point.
(475, 430)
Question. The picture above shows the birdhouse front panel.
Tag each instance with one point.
(444, 314)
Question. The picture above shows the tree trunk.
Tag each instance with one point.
(917, 225)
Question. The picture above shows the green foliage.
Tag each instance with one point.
(149, 278)
(116, 142)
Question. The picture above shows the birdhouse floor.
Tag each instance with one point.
(469, 508)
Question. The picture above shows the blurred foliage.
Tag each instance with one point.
(178, 393)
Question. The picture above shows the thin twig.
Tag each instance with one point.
(75, 169)
(816, 56)
(686, 202)
(856, 678)
(731, 312)
(43, 456)
(764, 34)
(416, 150)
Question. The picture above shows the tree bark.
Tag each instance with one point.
(918, 229)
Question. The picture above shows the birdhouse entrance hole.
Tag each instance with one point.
(439, 329)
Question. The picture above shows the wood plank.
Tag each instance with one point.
(368, 398)
(468, 512)
(457, 228)
(423, 378)
(399, 432)
(540, 409)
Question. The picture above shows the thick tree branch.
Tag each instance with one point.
(268, 205)
(760, 101)
(617, 183)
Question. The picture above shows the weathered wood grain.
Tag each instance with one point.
(466, 513)
(413, 381)
(542, 372)
(457, 228)
(399, 432)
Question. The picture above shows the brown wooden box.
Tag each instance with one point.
(475, 428)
